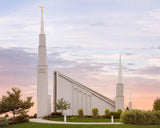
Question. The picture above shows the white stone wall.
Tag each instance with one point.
(81, 97)
(119, 97)
(42, 79)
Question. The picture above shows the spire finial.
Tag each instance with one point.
(41, 9)
(120, 70)
(42, 24)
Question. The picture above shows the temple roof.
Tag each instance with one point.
(104, 98)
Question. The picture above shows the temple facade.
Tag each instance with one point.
(78, 95)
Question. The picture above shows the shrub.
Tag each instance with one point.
(131, 117)
(6, 116)
(156, 105)
(88, 116)
(47, 117)
(3, 122)
(120, 111)
(141, 117)
(56, 114)
(21, 119)
(95, 112)
(107, 113)
(115, 114)
(35, 115)
(80, 112)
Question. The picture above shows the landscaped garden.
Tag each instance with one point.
(40, 125)
(85, 119)
(19, 108)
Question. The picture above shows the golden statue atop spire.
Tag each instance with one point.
(42, 24)
(41, 8)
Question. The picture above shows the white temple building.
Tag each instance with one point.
(78, 95)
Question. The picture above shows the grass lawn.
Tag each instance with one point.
(77, 119)
(39, 125)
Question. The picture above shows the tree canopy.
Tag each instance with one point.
(13, 103)
(62, 105)
(156, 105)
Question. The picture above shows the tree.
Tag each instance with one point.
(127, 108)
(62, 105)
(156, 105)
(14, 104)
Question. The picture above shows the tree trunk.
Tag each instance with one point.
(13, 116)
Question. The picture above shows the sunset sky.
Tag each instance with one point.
(84, 40)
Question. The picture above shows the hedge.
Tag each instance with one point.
(141, 117)
(55, 115)
(115, 114)
(21, 119)
(3, 122)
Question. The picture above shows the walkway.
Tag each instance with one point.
(40, 120)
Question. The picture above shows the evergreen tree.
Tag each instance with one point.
(14, 104)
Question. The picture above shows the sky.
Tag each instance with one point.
(84, 40)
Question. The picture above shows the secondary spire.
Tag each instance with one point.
(42, 24)
(130, 100)
(120, 71)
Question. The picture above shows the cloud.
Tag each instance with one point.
(149, 23)
(152, 70)
(154, 61)
(129, 54)
(131, 64)
(98, 24)
(17, 67)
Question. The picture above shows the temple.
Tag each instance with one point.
(78, 95)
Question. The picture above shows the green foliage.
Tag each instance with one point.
(43, 125)
(120, 111)
(141, 117)
(46, 117)
(84, 119)
(55, 114)
(95, 112)
(115, 114)
(21, 119)
(156, 105)
(107, 113)
(35, 115)
(13, 103)
(127, 108)
(6, 116)
(63, 105)
(80, 112)
(3, 122)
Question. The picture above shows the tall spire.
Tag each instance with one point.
(130, 96)
(119, 89)
(43, 99)
(42, 24)
(130, 100)
(120, 71)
